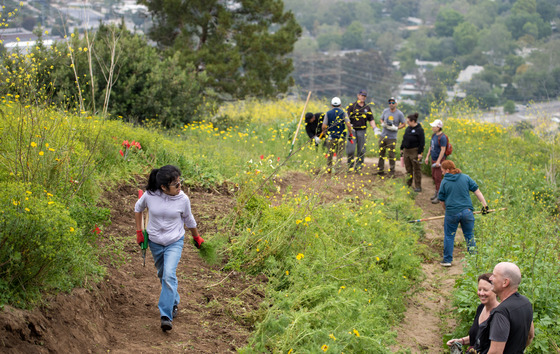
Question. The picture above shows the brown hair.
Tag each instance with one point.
(413, 117)
(485, 276)
(449, 165)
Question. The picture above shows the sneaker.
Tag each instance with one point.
(446, 264)
(175, 311)
(435, 201)
(434, 197)
(166, 324)
(418, 190)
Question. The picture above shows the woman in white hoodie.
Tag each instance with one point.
(169, 211)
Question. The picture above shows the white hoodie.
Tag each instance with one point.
(168, 214)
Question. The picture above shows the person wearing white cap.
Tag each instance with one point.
(437, 154)
(392, 120)
(333, 128)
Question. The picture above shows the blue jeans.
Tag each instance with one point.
(166, 259)
(451, 222)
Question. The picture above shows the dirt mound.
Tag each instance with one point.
(120, 314)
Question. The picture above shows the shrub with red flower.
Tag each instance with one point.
(128, 146)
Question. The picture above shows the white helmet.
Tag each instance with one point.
(336, 101)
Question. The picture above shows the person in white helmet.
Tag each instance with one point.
(333, 128)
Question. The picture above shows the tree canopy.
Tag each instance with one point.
(241, 46)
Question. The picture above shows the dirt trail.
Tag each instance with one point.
(120, 314)
(429, 310)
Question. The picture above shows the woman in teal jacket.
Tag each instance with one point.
(454, 194)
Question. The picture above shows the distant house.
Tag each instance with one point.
(467, 74)
(426, 65)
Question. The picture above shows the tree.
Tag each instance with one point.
(241, 46)
(482, 14)
(446, 21)
(482, 91)
(509, 107)
(466, 37)
(497, 40)
(443, 74)
(352, 38)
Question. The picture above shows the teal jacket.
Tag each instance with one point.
(454, 191)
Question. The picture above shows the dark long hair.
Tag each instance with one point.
(162, 176)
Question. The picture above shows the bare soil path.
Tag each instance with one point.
(429, 310)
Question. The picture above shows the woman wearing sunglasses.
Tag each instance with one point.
(169, 211)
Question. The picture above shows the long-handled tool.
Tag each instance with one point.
(443, 216)
(144, 244)
(299, 124)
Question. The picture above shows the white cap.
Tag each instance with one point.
(336, 101)
(437, 123)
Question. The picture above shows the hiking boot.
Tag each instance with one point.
(434, 197)
(418, 190)
(166, 324)
(175, 311)
(435, 201)
(446, 264)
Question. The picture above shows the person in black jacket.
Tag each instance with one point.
(312, 127)
(412, 147)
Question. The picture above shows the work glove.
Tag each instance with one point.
(351, 138)
(383, 124)
(484, 210)
(377, 131)
(317, 140)
(198, 241)
(139, 236)
(393, 128)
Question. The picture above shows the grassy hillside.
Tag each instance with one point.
(339, 265)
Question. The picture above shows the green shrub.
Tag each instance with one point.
(41, 247)
(338, 272)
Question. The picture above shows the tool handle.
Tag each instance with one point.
(443, 216)
(144, 244)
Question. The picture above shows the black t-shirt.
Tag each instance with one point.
(515, 312)
(359, 115)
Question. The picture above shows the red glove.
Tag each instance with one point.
(139, 236)
(198, 241)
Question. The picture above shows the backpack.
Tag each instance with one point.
(448, 147)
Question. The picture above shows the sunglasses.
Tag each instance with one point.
(392, 102)
(178, 184)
